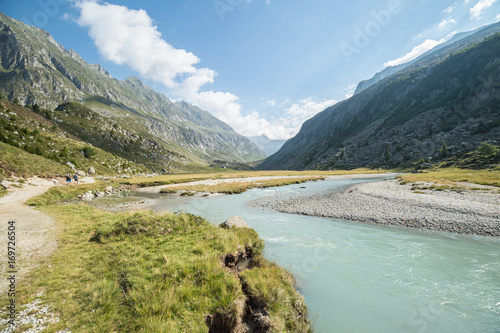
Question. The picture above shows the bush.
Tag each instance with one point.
(64, 152)
(88, 151)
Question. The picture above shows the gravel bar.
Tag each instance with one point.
(387, 202)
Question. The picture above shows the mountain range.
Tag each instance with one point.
(269, 146)
(445, 103)
(124, 117)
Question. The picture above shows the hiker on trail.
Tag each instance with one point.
(76, 178)
(68, 178)
(90, 172)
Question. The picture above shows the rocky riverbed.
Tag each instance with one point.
(387, 202)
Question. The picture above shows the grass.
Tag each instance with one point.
(143, 272)
(274, 286)
(452, 176)
(15, 161)
(239, 187)
(58, 194)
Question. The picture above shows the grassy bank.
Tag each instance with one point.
(453, 176)
(143, 272)
(238, 187)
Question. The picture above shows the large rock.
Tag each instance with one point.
(71, 165)
(234, 222)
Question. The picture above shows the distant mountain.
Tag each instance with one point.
(440, 51)
(451, 97)
(147, 127)
(267, 145)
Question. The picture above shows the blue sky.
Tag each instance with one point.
(263, 66)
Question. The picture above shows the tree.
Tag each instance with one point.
(487, 150)
(444, 150)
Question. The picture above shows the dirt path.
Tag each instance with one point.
(35, 231)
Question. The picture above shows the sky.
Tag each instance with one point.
(262, 66)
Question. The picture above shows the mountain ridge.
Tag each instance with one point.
(36, 69)
(437, 51)
(406, 117)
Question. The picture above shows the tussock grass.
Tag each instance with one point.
(452, 176)
(274, 286)
(144, 272)
(240, 187)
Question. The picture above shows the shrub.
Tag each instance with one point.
(64, 152)
(88, 151)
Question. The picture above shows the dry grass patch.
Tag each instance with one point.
(452, 177)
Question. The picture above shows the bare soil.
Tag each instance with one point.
(35, 237)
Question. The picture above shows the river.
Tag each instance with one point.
(365, 278)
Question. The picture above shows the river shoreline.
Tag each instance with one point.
(472, 212)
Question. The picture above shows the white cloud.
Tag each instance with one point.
(449, 9)
(497, 19)
(446, 22)
(268, 2)
(271, 103)
(129, 37)
(289, 117)
(418, 50)
(413, 54)
(475, 12)
(349, 91)
(126, 36)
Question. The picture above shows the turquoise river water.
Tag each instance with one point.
(365, 278)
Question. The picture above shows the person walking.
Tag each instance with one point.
(76, 178)
(68, 178)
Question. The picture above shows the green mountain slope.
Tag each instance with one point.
(35, 69)
(406, 117)
(30, 144)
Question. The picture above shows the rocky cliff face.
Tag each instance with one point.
(37, 70)
(407, 116)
